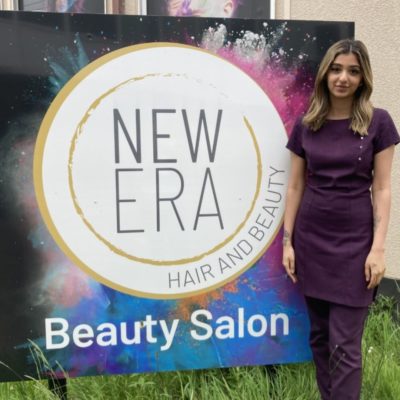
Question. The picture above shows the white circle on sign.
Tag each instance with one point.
(150, 175)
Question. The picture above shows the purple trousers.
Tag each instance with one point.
(335, 341)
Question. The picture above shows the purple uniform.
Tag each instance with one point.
(333, 231)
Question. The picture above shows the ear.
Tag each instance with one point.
(228, 8)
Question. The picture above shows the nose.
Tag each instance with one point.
(343, 76)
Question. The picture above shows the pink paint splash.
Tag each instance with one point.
(287, 84)
(61, 283)
(195, 8)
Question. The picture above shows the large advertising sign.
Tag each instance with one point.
(143, 174)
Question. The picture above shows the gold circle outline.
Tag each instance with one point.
(38, 183)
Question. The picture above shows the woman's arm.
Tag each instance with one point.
(381, 197)
(294, 195)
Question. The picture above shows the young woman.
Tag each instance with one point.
(337, 212)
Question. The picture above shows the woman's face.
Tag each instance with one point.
(344, 76)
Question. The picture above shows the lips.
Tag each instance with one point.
(341, 88)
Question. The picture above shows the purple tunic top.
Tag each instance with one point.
(333, 230)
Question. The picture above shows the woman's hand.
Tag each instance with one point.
(296, 186)
(374, 268)
(288, 261)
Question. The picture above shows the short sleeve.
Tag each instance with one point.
(387, 134)
(295, 142)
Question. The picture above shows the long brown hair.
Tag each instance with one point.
(362, 110)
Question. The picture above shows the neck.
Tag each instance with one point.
(340, 108)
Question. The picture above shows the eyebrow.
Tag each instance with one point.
(341, 65)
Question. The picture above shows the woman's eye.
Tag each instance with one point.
(335, 69)
(355, 71)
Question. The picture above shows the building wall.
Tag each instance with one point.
(377, 24)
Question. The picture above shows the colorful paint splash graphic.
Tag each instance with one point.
(201, 8)
(288, 84)
(70, 5)
(264, 288)
(73, 6)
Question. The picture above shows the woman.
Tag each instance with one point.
(341, 153)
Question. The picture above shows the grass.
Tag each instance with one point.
(381, 381)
